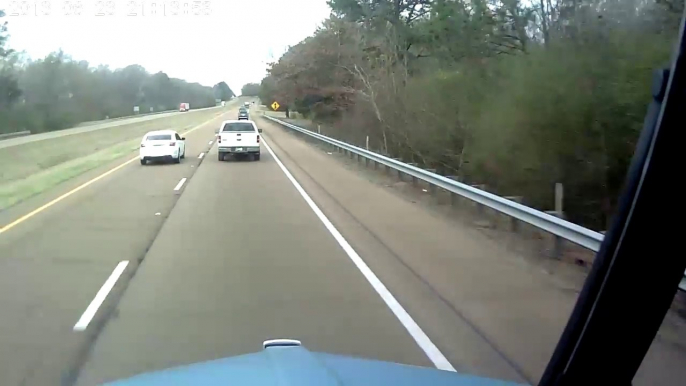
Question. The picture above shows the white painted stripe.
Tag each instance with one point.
(180, 184)
(100, 297)
(201, 155)
(211, 142)
(435, 355)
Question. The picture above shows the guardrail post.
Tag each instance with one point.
(558, 212)
(453, 196)
(400, 174)
(479, 207)
(514, 223)
(559, 196)
(557, 240)
(432, 187)
(414, 179)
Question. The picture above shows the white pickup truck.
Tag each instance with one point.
(238, 138)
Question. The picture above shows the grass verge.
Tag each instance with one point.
(32, 168)
(21, 161)
(19, 190)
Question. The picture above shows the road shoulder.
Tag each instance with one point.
(480, 292)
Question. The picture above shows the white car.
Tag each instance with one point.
(163, 145)
(238, 138)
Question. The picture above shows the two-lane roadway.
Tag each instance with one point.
(146, 267)
(242, 258)
(53, 260)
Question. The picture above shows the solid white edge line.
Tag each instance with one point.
(432, 352)
(201, 155)
(100, 297)
(210, 142)
(180, 184)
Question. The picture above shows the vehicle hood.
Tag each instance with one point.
(285, 366)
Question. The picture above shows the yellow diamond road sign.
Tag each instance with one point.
(275, 105)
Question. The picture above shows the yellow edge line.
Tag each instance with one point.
(85, 184)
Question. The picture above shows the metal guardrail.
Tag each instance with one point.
(559, 227)
(564, 229)
(15, 134)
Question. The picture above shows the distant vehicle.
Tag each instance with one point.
(184, 106)
(237, 138)
(162, 145)
(246, 104)
(243, 114)
(223, 103)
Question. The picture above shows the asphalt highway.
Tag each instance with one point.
(133, 268)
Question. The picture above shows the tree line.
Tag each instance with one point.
(250, 89)
(58, 92)
(516, 95)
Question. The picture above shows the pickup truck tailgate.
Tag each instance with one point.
(247, 139)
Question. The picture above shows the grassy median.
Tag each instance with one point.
(27, 159)
(35, 167)
(16, 191)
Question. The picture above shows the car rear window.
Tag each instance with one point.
(159, 137)
(238, 126)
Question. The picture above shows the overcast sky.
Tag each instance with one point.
(232, 43)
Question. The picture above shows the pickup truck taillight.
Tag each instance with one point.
(172, 143)
(219, 139)
(258, 139)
